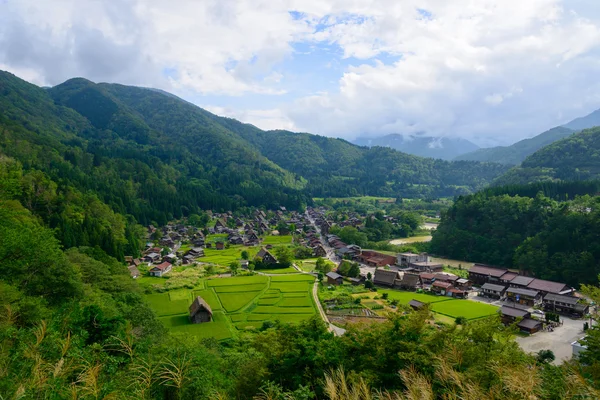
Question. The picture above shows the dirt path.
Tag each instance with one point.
(337, 331)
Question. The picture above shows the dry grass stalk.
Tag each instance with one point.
(144, 376)
(418, 387)
(174, 374)
(337, 387)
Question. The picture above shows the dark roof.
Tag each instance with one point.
(513, 312)
(495, 288)
(529, 323)
(509, 276)
(427, 264)
(524, 292)
(547, 286)
(444, 285)
(427, 275)
(410, 280)
(447, 278)
(521, 280)
(133, 271)
(386, 277)
(486, 270)
(198, 305)
(562, 299)
(333, 275)
(416, 303)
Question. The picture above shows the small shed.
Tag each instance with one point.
(333, 278)
(200, 311)
(530, 326)
(416, 304)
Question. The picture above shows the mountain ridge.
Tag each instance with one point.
(443, 148)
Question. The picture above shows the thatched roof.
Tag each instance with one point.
(198, 305)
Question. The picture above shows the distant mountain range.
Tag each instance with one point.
(517, 152)
(443, 148)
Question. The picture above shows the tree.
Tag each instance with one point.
(385, 296)
(234, 266)
(460, 320)
(284, 256)
(245, 255)
(545, 356)
(369, 276)
(323, 265)
(369, 284)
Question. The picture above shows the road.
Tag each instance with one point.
(336, 330)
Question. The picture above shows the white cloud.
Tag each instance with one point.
(489, 70)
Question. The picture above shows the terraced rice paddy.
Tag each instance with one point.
(238, 303)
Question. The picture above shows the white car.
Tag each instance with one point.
(539, 312)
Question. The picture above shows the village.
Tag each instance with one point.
(548, 314)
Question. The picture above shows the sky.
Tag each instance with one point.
(491, 71)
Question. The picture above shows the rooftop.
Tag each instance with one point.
(513, 312)
(487, 270)
(547, 286)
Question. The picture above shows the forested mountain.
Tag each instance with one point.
(517, 152)
(574, 158)
(444, 148)
(534, 228)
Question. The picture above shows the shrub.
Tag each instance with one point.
(385, 296)
(460, 320)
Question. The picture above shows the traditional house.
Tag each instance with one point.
(416, 304)
(236, 240)
(200, 311)
(133, 271)
(152, 257)
(507, 277)
(480, 274)
(409, 282)
(319, 251)
(427, 266)
(357, 281)
(546, 287)
(219, 226)
(520, 281)
(441, 288)
(384, 277)
(196, 252)
(266, 256)
(172, 258)
(333, 278)
(492, 290)
(565, 305)
(376, 259)
(137, 262)
(427, 278)
(160, 269)
(510, 314)
(462, 284)
(530, 326)
(446, 278)
(219, 245)
(523, 296)
(405, 259)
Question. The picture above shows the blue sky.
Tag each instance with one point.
(491, 71)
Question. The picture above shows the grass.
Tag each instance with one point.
(308, 265)
(256, 287)
(464, 308)
(277, 240)
(405, 297)
(238, 280)
(238, 303)
(235, 301)
(218, 328)
(163, 306)
(296, 302)
(411, 240)
(210, 297)
(290, 286)
(293, 278)
(226, 256)
(289, 270)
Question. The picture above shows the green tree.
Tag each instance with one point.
(234, 267)
(284, 256)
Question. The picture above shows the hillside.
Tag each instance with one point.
(424, 146)
(517, 152)
(588, 121)
(574, 158)
(158, 157)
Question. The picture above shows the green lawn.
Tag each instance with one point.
(405, 297)
(277, 240)
(464, 308)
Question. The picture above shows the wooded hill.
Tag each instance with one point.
(157, 157)
(574, 158)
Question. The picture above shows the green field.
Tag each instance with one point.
(238, 303)
(444, 305)
(464, 308)
(277, 240)
(277, 271)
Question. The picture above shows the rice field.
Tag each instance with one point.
(238, 303)
(277, 240)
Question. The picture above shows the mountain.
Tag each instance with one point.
(424, 146)
(516, 153)
(576, 158)
(156, 157)
(589, 121)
